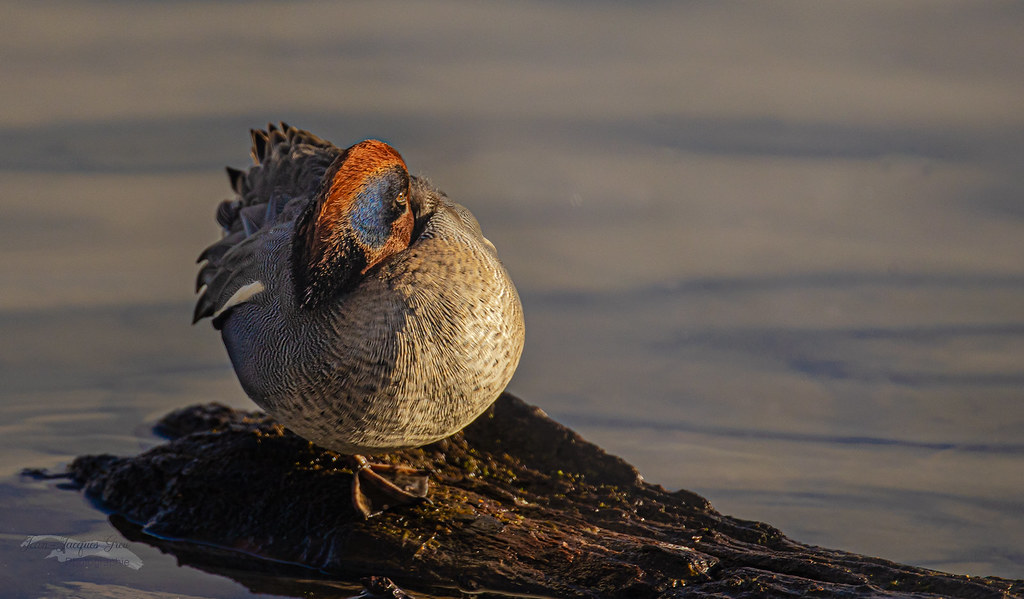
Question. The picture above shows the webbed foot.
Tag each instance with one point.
(379, 487)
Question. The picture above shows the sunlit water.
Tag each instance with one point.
(771, 255)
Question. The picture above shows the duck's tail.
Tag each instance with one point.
(289, 166)
(288, 163)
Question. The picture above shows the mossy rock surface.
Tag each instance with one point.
(519, 505)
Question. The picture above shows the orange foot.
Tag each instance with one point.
(379, 487)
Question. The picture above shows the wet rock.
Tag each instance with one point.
(519, 505)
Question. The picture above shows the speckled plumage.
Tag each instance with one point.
(412, 352)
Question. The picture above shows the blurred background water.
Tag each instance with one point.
(771, 253)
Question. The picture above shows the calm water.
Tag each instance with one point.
(772, 256)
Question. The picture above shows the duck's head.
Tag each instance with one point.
(360, 216)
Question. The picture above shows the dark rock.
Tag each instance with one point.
(519, 505)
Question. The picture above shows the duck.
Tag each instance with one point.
(359, 306)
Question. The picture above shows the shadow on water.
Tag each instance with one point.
(258, 575)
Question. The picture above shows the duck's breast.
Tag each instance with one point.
(410, 356)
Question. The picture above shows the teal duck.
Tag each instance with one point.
(359, 306)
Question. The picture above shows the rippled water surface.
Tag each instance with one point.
(771, 253)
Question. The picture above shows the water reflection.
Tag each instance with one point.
(772, 254)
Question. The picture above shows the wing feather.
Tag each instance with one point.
(289, 166)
